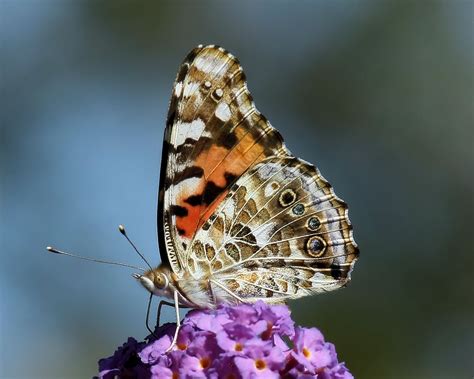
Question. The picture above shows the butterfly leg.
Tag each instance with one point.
(178, 322)
(158, 315)
(148, 316)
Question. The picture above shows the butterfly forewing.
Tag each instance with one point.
(213, 135)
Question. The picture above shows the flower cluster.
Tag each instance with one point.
(243, 341)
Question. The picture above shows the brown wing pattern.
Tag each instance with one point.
(213, 135)
(280, 233)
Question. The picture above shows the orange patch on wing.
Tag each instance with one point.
(209, 159)
(197, 216)
(216, 162)
(245, 153)
(187, 224)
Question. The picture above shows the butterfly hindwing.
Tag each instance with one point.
(280, 233)
(213, 135)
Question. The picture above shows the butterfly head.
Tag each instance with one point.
(155, 281)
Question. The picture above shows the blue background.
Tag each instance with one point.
(377, 94)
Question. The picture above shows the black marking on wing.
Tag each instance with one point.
(188, 172)
(185, 150)
(178, 211)
(194, 200)
(229, 141)
(211, 191)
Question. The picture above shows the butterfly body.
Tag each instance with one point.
(240, 219)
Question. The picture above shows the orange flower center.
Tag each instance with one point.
(260, 365)
(306, 352)
(175, 375)
(238, 347)
(205, 362)
(182, 346)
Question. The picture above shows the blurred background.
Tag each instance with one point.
(378, 94)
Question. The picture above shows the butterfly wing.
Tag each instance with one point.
(280, 233)
(213, 135)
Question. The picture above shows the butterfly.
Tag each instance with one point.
(240, 218)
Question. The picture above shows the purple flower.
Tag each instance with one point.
(278, 319)
(262, 360)
(315, 356)
(152, 352)
(233, 342)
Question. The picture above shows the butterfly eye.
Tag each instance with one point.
(298, 209)
(161, 281)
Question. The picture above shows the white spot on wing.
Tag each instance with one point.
(192, 130)
(178, 89)
(267, 170)
(190, 88)
(264, 234)
(223, 112)
(319, 277)
(186, 186)
(271, 188)
(205, 64)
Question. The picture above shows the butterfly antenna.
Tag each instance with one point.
(59, 252)
(122, 230)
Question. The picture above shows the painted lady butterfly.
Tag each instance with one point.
(239, 217)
